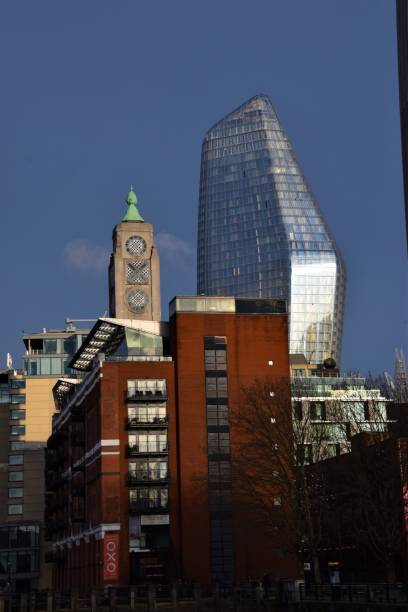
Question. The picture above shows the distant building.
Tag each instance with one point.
(139, 480)
(329, 409)
(27, 406)
(261, 232)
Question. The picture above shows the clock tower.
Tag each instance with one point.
(134, 269)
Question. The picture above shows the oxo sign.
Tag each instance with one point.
(111, 557)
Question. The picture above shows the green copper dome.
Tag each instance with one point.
(132, 214)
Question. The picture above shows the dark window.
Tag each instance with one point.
(17, 398)
(219, 471)
(17, 430)
(17, 384)
(217, 415)
(216, 386)
(297, 408)
(366, 411)
(218, 443)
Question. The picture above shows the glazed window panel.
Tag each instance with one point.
(217, 415)
(148, 442)
(216, 386)
(154, 413)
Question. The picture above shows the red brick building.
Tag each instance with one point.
(139, 463)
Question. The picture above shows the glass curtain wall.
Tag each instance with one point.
(261, 232)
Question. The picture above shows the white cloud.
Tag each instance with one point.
(86, 256)
(173, 249)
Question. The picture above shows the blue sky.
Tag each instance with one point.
(97, 95)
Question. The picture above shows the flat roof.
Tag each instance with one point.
(227, 304)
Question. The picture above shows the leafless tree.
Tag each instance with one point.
(269, 474)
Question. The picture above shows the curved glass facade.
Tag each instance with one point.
(261, 232)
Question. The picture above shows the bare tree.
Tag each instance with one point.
(269, 474)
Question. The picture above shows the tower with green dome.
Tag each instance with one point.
(134, 269)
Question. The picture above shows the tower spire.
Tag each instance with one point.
(132, 213)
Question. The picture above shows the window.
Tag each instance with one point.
(17, 398)
(148, 442)
(15, 509)
(16, 476)
(215, 359)
(297, 409)
(17, 415)
(219, 470)
(156, 413)
(148, 388)
(50, 347)
(216, 386)
(17, 430)
(317, 411)
(148, 469)
(366, 411)
(217, 415)
(17, 383)
(149, 498)
(218, 443)
(33, 367)
(24, 562)
(16, 492)
(219, 499)
(17, 445)
(16, 459)
(332, 450)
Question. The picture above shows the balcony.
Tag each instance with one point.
(143, 421)
(148, 506)
(143, 395)
(147, 477)
(136, 450)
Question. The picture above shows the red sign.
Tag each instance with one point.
(111, 557)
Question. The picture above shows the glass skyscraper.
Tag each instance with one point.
(261, 232)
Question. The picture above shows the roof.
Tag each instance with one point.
(107, 334)
(298, 359)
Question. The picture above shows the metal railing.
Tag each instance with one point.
(146, 421)
(147, 476)
(356, 593)
(285, 595)
(147, 395)
(147, 449)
